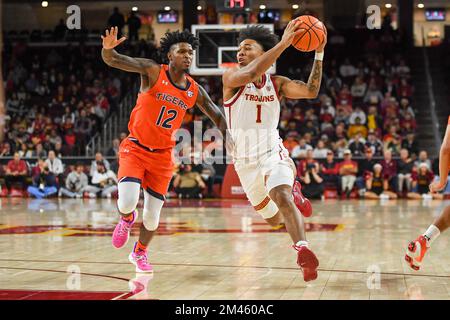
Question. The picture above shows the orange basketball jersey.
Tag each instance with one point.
(160, 111)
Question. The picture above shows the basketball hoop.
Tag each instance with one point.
(219, 48)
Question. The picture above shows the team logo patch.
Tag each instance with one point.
(190, 94)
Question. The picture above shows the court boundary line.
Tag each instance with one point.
(61, 271)
(121, 295)
(209, 265)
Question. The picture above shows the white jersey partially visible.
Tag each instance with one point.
(252, 116)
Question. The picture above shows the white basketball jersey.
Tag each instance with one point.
(252, 116)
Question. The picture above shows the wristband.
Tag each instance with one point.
(319, 56)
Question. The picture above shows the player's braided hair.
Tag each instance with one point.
(260, 34)
(171, 38)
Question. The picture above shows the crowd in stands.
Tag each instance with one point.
(384, 178)
(57, 97)
(364, 116)
(364, 112)
(48, 177)
(357, 137)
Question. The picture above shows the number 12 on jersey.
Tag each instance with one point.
(166, 118)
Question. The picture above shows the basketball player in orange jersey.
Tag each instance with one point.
(252, 106)
(145, 156)
(416, 249)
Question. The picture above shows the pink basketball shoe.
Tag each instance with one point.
(140, 260)
(122, 231)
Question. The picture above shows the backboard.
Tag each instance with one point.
(218, 48)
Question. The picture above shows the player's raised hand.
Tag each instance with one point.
(437, 186)
(292, 29)
(110, 39)
(323, 44)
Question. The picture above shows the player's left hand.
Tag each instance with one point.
(321, 47)
(110, 39)
(437, 186)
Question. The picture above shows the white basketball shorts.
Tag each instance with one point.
(259, 176)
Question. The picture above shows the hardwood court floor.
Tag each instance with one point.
(61, 249)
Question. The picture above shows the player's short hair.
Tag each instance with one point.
(266, 38)
(171, 38)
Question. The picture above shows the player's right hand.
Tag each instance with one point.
(324, 43)
(437, 186)
(110, 39)
(292, 29)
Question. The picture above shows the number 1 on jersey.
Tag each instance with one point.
(258, 113)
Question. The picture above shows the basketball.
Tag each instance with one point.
(313, 35)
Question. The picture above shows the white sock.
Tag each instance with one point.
(302, 243)
(431, 234)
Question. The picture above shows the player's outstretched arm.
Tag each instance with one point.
(444, 162)
(113, 59)
(238, 77)
(213, 112)
(296, 89)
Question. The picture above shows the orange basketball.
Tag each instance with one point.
(313, 35)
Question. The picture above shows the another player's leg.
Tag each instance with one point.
(416, 249)
(369, 195)
(279, 183)
(130, 175)
(303, 204)
(153, 203)
(391, 195)
(414, 196)
(126, 203)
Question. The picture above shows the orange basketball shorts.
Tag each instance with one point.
(153, 170)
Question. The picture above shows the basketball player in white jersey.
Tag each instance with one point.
(252, 108)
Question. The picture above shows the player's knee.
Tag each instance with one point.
(127, 203)
(150, 219)
(281, 196)
(128, 196)
(151, 212)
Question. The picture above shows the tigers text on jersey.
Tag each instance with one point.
(159, 111)
(252, 116)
